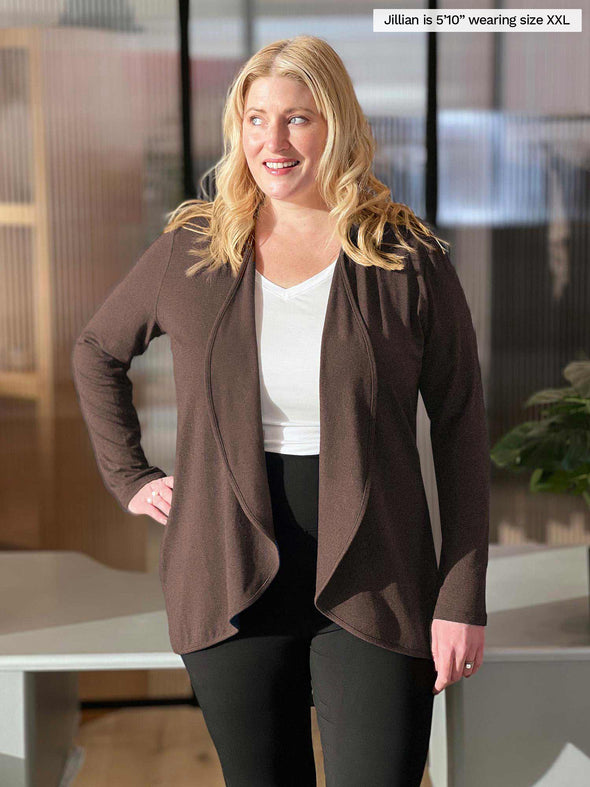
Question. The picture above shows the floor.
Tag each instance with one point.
(156, 747)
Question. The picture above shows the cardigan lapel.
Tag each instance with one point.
(348, 396)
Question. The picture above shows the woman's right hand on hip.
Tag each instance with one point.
(154, 499)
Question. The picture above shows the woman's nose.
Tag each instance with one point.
(277, 136)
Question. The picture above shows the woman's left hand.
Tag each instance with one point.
(452, 645)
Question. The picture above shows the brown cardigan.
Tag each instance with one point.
(387, 334)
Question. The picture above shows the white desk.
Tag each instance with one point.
(522, 720)
(63, 612)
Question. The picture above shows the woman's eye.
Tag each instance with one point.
(252, 118)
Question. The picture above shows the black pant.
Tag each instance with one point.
(374, 706)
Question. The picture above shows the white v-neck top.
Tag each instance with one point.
(289, 326)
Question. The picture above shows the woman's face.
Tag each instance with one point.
(281, 122)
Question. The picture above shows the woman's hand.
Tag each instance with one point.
(452, 645)
(154, 499)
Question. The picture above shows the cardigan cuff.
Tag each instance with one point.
(125, 496)
(461, 616)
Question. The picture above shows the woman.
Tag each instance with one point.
(298, 553)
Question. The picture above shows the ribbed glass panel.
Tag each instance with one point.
(514, 198)
(90, 162)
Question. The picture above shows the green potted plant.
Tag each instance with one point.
(556, 448)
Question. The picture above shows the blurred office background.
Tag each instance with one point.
(92, 157)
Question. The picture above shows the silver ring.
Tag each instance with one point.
(468, 665)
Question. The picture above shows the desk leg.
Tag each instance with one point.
(515, 723)
(437, 750)
(38, 723)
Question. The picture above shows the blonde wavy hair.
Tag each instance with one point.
(344, 178)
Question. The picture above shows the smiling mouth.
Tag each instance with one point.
(280, 166)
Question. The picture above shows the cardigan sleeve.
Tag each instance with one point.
(451, 388)
(120, 329)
